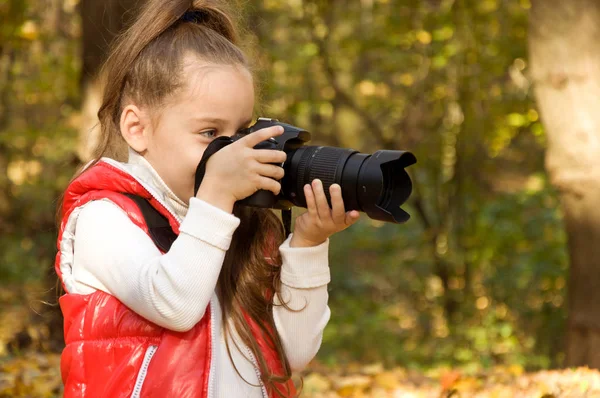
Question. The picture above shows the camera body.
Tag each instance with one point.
(375, 184)
(291, 139)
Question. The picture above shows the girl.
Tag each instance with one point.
(234, 306)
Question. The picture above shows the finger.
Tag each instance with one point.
(352, 217)
(321, 200)
(254, 138)
(337, 204)
(269, 170)
(269, 156)
(269, 184)
(311, 205)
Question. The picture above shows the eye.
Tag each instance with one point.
(209, 133)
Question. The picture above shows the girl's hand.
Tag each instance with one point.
(313, 227)
(238, 170)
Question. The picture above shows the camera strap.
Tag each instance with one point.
(161, 232)
(286, 217)
(158, 225)
(216, 144)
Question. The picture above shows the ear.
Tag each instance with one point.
(135, 128)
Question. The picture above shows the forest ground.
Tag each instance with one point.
(35, 371)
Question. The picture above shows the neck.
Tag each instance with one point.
(149, 175)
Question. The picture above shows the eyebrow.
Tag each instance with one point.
(220, 121)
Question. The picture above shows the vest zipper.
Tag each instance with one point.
(213, 347)
(211, 307)
(139, 382)
(160, 201)
(257, 371)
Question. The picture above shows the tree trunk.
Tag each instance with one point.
(101, 20)
(565, 68)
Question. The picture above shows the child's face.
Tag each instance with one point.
(216, 100)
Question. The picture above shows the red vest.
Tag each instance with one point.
(110, 350)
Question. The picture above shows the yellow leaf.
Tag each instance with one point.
(315, 383)
(29, 30)
(372, 369)
(352, 386)
(387, 380)
(516, 370)
(424, 37)
(406, 79)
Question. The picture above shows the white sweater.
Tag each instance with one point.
(173, 290)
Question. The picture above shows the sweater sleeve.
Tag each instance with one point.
(172, 290)
(304, 276)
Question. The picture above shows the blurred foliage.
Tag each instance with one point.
(39, 62)
(475, 279)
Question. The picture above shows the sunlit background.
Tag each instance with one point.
(476, 279)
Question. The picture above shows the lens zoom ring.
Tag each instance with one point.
(321, 163)
(302, 177)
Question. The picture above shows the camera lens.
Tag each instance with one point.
(375, 184)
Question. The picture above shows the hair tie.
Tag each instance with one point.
(194, 16)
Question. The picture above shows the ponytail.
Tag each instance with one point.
(142, 60)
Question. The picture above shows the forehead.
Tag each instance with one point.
(219, 90)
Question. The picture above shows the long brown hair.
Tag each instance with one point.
(145, 67)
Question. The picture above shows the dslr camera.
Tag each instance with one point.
(376, 184)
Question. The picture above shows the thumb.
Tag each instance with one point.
(352, 217)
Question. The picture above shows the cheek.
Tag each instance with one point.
(178, 153)
(162, 143)
(198, 146)
(193, 153)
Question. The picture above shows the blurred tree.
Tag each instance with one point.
(38, 60)
(565, 68)
(101, 20)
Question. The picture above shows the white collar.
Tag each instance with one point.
(142, 170)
